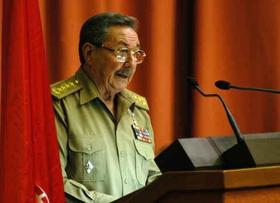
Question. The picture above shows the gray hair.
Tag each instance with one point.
(94, 30)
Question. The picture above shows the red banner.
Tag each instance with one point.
(30, 167)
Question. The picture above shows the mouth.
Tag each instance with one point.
(124, 73)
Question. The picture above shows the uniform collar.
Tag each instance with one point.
(134, 99)
(89, 89)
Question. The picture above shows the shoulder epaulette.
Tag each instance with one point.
(66, 87)
(139, 100)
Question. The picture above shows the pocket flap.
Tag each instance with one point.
(144, 149)
(86, 145)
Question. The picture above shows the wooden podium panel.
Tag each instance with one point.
(260, 184)
(257, 195)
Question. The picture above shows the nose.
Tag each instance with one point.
(130, 59)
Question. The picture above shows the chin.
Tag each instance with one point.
(121, 85)
(119, 88)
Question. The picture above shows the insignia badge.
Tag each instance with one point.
(141, 134)
(89, 167)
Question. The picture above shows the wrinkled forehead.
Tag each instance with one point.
(122, 35)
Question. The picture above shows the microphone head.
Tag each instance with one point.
(192, 82)
(222, 84)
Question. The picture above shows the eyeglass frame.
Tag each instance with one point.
(123, 49)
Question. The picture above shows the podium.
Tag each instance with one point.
(260, 184)
(187, 154)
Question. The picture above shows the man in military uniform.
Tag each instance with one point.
(104, 131)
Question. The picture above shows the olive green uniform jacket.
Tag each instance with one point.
(102, 158)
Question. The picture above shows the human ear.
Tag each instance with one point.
(87, 50)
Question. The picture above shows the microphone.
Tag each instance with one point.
(225, 85)
(230, 117)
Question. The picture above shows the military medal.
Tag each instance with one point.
(89, 167)
(141, 134)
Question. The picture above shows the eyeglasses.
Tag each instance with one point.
(122, 54)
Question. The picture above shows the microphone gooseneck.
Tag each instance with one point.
(225, 85)
(230, 117)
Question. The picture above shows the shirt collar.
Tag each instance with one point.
(89, 89)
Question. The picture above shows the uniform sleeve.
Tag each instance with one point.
(75, 191)
(154, 172)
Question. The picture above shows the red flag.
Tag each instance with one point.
(29, 157)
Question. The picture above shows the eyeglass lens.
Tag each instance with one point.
(122, 55)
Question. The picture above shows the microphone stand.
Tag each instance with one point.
(239, 155)
(230, 117)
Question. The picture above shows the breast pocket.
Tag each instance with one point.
(144, 156)
(86, 159)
